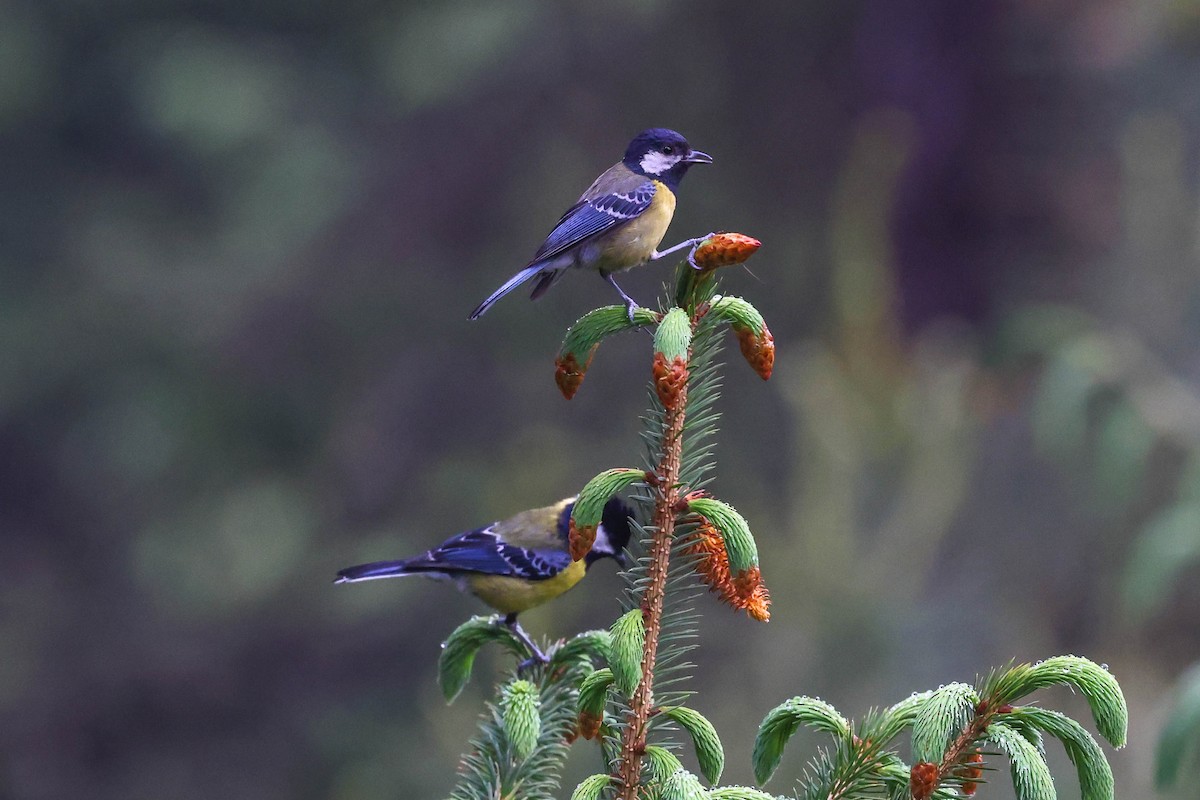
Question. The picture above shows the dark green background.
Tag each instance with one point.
(238, 245)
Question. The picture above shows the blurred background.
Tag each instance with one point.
(238, 245)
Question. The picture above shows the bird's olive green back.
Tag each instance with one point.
(537, 528)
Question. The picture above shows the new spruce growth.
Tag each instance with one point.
(954, 731)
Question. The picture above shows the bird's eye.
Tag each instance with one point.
(667, 149)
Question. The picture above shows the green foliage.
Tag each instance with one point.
(589, 507)
(940, 719)
(493, 766)
(739, 542)
(848, 770)
(591, 787)
(1098, 407)
(1090, 679)
(709, 751)
(594, 646)
(1181, 734)
(739, 793)
(682, 785)
(704, 384)
(888, 724)
(1095, 775)
(628, 640)
(1105, 403)
(596, 325)
(783, 721)
(1030, 775)
(738, 312)
(520, 714)
(458, 651)
(593, 692)
(949, 727)
(660, 763)
(674, 335)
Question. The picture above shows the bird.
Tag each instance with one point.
(618, 222)
(514, 564)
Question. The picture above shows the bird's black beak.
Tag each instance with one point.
(698, 157)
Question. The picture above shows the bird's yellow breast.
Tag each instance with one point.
(634, 242)
(513, 595)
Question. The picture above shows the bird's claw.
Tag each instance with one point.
(537, 659)
(691, 259)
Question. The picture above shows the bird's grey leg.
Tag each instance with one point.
(538, 657)
(692, 243)
(630, 305)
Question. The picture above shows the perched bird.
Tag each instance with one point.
(619, 221)
(514, 564)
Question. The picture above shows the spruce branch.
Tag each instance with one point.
(524, 737)
(953, 729)
(783, 721)
(660, 763)
(585, 336)
(523, 740)
(666, 494)
(629, 641)
(709, 751)
(459, 649)
(521, 715)
(685, 378)
(1095, 775)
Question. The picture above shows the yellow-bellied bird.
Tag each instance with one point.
(514, 564)
(619, 221)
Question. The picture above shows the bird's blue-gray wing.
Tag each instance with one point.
(592, 216)
(482, 551)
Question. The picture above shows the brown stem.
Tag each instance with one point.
(952, 759)
(960, 746)
(633, 742)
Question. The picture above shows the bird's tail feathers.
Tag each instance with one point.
(547, 280)
(509, 285)
(375, 570)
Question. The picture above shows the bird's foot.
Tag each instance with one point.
(630, 308)
(630, 304)
(691, 259)
(537, 659)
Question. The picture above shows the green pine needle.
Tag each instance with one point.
(1030, 774)
(1095, 775)
(492, 768)
(1093, 681)
(709, 752)
(783, 721)
(940, 720)
(459, 649)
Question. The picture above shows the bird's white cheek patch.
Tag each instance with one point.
(602, 544)
(656, 163)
